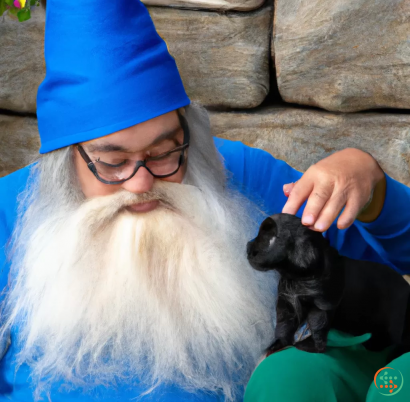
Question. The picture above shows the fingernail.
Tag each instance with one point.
(342, 226)
(320, 226)
(308, 220)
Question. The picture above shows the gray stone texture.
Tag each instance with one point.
(238, 5)
(19, 142)
(302, 137)
(223, 59)
(21, 61)
(343, 55)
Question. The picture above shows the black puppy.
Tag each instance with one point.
(325, 290)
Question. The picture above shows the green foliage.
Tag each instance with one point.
(2, 7)
(22, 13)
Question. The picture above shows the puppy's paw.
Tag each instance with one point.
(308, 345)
(276, 346)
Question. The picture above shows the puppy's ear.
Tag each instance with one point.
(269, 226)
(307, 251)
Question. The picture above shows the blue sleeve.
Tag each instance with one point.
(10, 188)
(386, 240)
(4, 236)
(257, 174)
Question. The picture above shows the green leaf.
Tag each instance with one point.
(2, 7)
(24, 15)
(13, 11)
(9, 2)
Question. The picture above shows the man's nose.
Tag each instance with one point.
(141, 182)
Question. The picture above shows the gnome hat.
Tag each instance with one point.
(106, 69)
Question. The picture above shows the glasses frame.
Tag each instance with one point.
(142, 163)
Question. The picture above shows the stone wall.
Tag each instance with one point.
(297, 78)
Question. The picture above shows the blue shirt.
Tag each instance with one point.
(261, 176)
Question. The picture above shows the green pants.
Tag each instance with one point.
(345, 373)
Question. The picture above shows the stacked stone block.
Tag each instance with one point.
(300, 79)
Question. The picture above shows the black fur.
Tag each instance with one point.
(326, 290)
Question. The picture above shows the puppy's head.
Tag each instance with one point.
(286, 245)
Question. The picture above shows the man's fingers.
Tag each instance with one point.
(297, 196)
(350, 213)
(330, 211)
(287, 188)
(317, 200)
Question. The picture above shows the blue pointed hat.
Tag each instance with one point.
(106, 69)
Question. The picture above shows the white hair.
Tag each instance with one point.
(101, 294)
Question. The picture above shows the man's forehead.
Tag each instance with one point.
(138, 137)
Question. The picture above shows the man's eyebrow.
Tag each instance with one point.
(109, 147)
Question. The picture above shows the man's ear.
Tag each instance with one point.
(306, 251)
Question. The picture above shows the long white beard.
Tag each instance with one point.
(168, 296)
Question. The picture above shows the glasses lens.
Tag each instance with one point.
(119, 170)
(115, 170)
(164, 165)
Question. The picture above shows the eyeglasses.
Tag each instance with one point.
(160, 166)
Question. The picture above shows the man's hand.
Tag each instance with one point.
(344, 179)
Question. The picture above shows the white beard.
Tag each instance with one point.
(167, 296)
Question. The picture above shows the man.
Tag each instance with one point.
(124, 267)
